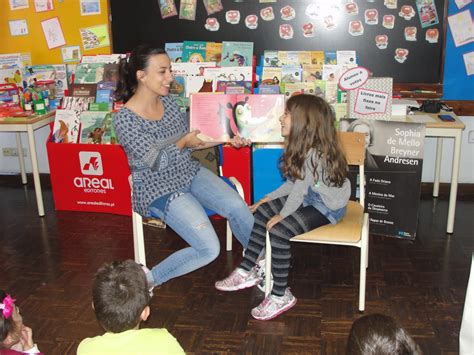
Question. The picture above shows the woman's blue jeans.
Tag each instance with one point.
(186, 216)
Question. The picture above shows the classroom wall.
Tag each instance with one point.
(68, 12)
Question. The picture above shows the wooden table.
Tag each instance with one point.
(440, 130)
(28, 125)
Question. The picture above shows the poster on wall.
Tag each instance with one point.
(393, 166)
(43, 5)
(71, 54)
(95, 37)
(18, 27)
(90, 7)
(19, 4)
(53, 33)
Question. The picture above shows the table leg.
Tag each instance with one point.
(34, 165)
(439, 154)
(454, 181)
(21, 158)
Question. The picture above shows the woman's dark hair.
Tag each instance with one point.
(377, 334)
(6, 325)
(128, 67)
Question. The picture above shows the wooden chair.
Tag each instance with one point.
(352, 230)
(137, 221)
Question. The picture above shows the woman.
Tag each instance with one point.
(365, 127)
(166, 181)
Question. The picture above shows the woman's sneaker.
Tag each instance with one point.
(238, 280)
(272, 306)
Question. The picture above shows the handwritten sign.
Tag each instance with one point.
(353, 78)
(370, 101)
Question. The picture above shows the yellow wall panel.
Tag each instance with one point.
(69, 14)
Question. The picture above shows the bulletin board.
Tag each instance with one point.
(70, 19)
(457, 84)
(136, 22)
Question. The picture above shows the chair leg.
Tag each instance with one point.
(363, 262)
(268, 265)
(228, 238)
(138, 241)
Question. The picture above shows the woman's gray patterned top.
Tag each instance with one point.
(158, 166)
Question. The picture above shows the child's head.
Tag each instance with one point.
(377, 334)
(312, 125)
(11, 321)
(120, 296)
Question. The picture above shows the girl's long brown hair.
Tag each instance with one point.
(312, 126)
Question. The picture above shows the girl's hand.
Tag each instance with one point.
(274, 220)
(238, 142)
(254, 207)
(26, 338)
(190, 140)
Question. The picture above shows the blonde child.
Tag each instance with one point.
(315, 193)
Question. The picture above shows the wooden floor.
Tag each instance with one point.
(48, 263)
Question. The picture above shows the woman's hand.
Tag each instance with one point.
(238, 142)
(274, 220)
(190, 140)
(254, 207)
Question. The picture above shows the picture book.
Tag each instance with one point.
(66, 127)
(331, 92)
(113, 58)
(213, 75)
(292, 89)
(194, 84)
(174, 51)
(83, 90)
(234, 87)
(77, 103)
(346, 58)
(213, 52)
(330, 57)
(220, 117)
(320, 88)
(178, 86)
(89, 73)
(94, 124)
(11, 74)
(290, 58)
(267, 89)
(317, 58)
(332, 72)
(56, 72)
(311, 73)
(270, 59)
(194, 51)
(186, 69)
(111, 73)
(187, 10)
(304, 57)
(237, 54)
(291, 74)
(271, 76)
(104, 96)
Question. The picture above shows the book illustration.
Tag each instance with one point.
(237, 54)
(304, 58)
(291, 74)
(213, 75)
(194, 51)
(111, 73)
(317, 58)
(187, 10)
(213, 6)
(270, 59)
(234, 87)
(56, 72)
(332, 72)
(167, 8)
(271, 76)
(289, 58)
(66, 127)
(220, 117)
(213, 52)
(311, 73)
(175, 51)
(330, 58)
(89, 73)
(94, 126)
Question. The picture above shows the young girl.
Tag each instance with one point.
(15, 337)
(315, 193)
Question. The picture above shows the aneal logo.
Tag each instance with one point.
(91, 163)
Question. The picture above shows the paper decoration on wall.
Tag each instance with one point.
(432, 35)
(19, 4)
(388, 21)
(167, 8)
(95, 37)
(427, 12)
(462, 28)
(401, 54)
(213, 6)
(352, 8)
(187, 10)
(232, 17)
(43, 5)
(251, 21)
(390, 4)
(356, 28)
(212, 24)
(373, 100)
(287, 13)
(308, 30)
(407, 12)
(329, 22)
(410, 33)
(71, 54)
(469, 62)
(371, 16)
(353, 78)
(90, 7)
(286, 31)
(53, 33)
(381, 41)
(267, 14)
(18, 27)
(461, 3)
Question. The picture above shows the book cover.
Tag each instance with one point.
(317, 58)
(174, 51)
(290, 58)
(346, 58)
(304, 58)
(186, 69)
(194, 51)
(83, 90)
(178, 86)
(271, 76)
(268, 89)
(89, 73)
(104, 96)
(56, 72)
(213, 52)
(213, 75)
(111, 73)
(311, 73)
(270, 59)
(66, 127)
(291, 74)
(237, 54)
(94, 125)
(234, 87)
(292, 89)
(330, 57)
(219, 116)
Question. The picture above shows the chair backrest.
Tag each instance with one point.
(353, 145)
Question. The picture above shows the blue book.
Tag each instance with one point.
(330, 57)
(237, 54)
(175, 51)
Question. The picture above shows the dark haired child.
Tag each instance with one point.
(377, 334)
(15, 337)
(120, 301)
(315, 193)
